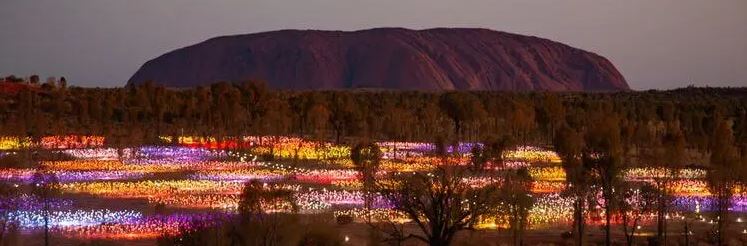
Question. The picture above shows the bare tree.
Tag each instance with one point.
(45, 189)
(440, 204)
(669, 152)
(265, 227)
(603, 156)
(635, 203)
(723, 176)
(516, 202)
(569, 144)
(365, 157)
(8, 204)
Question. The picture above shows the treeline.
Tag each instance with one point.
(142, 113)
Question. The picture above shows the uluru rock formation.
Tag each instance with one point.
(386, 58)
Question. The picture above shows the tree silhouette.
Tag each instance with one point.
(44, 187)
(516, 201)
(570, 144)
(366, 157)
(723, 176)
(439, 203)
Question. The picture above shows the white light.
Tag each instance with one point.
(347, 239)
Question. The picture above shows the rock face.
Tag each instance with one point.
(386, 58)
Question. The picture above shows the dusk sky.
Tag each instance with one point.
(654, 43)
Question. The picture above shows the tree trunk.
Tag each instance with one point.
(579, 221)
(661, 227)
(46, 220)
(608, 219)
(458, 130)
(723, 213)
(337, 135)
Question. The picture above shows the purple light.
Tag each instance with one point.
(737, 203)
(151, 154)
(26, 176)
